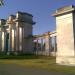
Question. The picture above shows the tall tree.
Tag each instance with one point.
(1, 2)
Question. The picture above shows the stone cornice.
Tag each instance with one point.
(64, 10)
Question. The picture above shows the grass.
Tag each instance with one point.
(47, 63)
(19, 57)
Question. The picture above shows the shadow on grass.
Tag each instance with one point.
(26, 56)
(19, 57)
(4, 55)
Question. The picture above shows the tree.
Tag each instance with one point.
(1, 2)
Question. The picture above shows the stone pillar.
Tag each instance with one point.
(42, 45)
(24, 20)
(3, 41)
(37, 46)
(10, 38)
(20, 38)
(65, 28)
(0, 40)
(2, 35)
(17, 36)
(11, 23)
(47, 44)
(23, 39)
(13, 40)
(55, 46)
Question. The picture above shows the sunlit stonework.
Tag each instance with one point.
(65, 28)
(16, 33)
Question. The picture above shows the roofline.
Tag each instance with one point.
(64, 10)
(25, 13)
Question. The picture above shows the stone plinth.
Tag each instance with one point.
(65, 28)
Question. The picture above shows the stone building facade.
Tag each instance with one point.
(16, 33)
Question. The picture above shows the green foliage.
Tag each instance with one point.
(1, 2)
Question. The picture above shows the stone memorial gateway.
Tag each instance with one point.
(65, 28)
(16, 36)
(16, 33)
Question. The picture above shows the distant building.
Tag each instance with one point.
(16, 33)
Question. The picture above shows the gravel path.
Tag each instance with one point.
(19, 70)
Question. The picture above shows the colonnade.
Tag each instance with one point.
(45, 44)
(14, 33)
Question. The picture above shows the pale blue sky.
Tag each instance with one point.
(40, 9)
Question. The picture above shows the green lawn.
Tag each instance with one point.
(47, 63)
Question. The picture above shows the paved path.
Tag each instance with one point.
(20, 70)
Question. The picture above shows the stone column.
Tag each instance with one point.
(10, 22)
(0, 40)
(3, 41)
(42, 45)
(47, 44)
(37, 46)
(23, 39)
(2, 35)
(20, 38)
(55, 45)
(13, 39)
(10, 38)
(17, 36)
